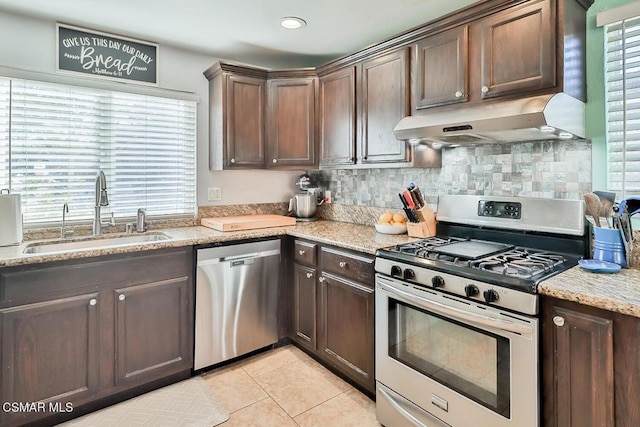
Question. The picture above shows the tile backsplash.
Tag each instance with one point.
(549, 169)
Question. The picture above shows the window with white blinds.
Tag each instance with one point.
(4, 133)
(622, 85)
(60, 136)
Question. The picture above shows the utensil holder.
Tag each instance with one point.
(427, 225)
(608, 246)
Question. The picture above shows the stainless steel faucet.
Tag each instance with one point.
(101, 200)
(64, 230)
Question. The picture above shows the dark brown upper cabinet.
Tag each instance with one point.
(440, 69)
(385, 100)
(337, 118)
(359, 107)
(517, 50)
(489, 50)
(291, 122)
(260, 119)
(237, 102)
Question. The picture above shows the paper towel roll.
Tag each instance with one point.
(10, 219)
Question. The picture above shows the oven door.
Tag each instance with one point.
(443, 360)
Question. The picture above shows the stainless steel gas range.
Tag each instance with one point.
(457, 314)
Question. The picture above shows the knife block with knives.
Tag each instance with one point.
(422, 220)
(426, 227)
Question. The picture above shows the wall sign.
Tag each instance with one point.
(106, 56)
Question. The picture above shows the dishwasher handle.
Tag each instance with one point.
(235, 259)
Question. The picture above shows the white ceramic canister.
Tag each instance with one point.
(10, 219)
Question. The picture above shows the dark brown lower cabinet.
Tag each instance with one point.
(152, 330)
(333, 309)
(304, 295)
(82, 334)
(590, 366)
(49, 352)
(347, 327)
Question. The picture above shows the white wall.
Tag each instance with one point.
(29, 43)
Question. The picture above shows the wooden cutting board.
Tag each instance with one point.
(247, 222)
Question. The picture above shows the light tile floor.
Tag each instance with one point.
(286, 387)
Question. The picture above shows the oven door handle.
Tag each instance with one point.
(456, 313)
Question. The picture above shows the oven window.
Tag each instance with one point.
(469, 360)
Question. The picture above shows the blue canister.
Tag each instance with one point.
(608, 246)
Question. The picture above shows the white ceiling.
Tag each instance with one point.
(247, 31)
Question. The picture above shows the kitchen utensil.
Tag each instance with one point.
(632, 204)
(304, 205)
(11, 214)
(606, 195)
(605, 211)
(247, 222)
(593, 207)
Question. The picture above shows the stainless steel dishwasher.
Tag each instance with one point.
(236, 300)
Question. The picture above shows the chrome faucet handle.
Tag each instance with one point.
(112, 220)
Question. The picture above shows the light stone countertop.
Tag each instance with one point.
(619, 292)
(356, 237)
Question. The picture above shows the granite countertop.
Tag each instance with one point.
(356, 237)
(619, 292)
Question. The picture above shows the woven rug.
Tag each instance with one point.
(187, 403)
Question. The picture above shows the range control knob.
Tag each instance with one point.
(409, 274)
(437, 282)
(491, 296)
(396, 271)
(471, 290)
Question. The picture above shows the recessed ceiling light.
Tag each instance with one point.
(292, 22)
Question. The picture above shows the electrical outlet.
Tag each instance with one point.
(327, 196)
(215, 194)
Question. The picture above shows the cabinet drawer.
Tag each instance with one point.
(304, 252)
(347, 265)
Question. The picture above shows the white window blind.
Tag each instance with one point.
(4, 133)
(622, 84)
(61, 136)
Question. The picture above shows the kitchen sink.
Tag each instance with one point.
(97, 243)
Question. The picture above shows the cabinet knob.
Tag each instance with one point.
(309, 275)
(93, 301)
(558, 320)
(458, 94)
(301, 252)
(121, 297)
(342, 264)
(321, 279)
(274, 161)
(484, 89)
(232, 160)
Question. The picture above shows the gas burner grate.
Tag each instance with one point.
(522, 263)
(422, 248)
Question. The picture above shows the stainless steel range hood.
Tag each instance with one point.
(556, 116)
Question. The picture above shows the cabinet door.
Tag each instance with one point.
(49, 353)
(245, 139)
(153, 330)
(385, 101)
(337, 118)
(441, 68)
(578, 368)
(304, 294)
(518, 51)
(291, 118)
(347, 319)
